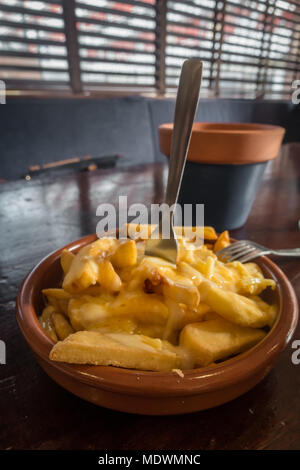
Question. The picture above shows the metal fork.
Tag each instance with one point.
(245, 251)
(185, 110)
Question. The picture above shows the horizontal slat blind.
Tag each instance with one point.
(259, 47)
(249, 49)
(116, 42)
(283, 61)
(190, 33)
(32, 44)
(243, 33)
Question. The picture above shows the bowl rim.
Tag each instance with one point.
(227, 128)
(201, 380)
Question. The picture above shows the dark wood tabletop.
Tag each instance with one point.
(42, 214)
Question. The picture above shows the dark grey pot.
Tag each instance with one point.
(227, 191)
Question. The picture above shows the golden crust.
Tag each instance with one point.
(120, 350)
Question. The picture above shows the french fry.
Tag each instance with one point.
(236, 308)
(173, 284)
(210, 233)
(62, 326)
(179, 316)
(176, 315)
(118, 349)
(254, 283)
(222, 241)
(253, 269)
(212, 340)
(270, 309)
(66, 260)
(46, 322)
(150, 268)
(195, 315)
(142, 307)
(107, 277)
(125, 254)
(187, 294)
(58, 298)
(191, 272)
(84, 270)
(87, 313)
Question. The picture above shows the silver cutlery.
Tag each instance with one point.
(245, 251)
(185, 110)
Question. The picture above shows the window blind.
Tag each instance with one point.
(282, 61)
(116, 42)
(249, 49)
(258, 48)
(191, 32)
(243, 31)
(32, 44)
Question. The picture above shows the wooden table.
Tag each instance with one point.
(45, 213)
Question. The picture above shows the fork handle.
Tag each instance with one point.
(292, 253)
(185, 110)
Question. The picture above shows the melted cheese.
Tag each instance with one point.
(143, 303)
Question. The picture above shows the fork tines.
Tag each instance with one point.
(242, 251)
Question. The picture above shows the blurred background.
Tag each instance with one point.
(91, 78)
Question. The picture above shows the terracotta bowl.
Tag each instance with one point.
(227, 143)
(154, 393)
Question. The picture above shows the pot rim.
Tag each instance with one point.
(227, 143)
(226, 128)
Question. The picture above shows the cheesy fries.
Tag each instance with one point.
(118, 307)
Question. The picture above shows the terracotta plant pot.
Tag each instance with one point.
(225, 166)
(154, 393)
